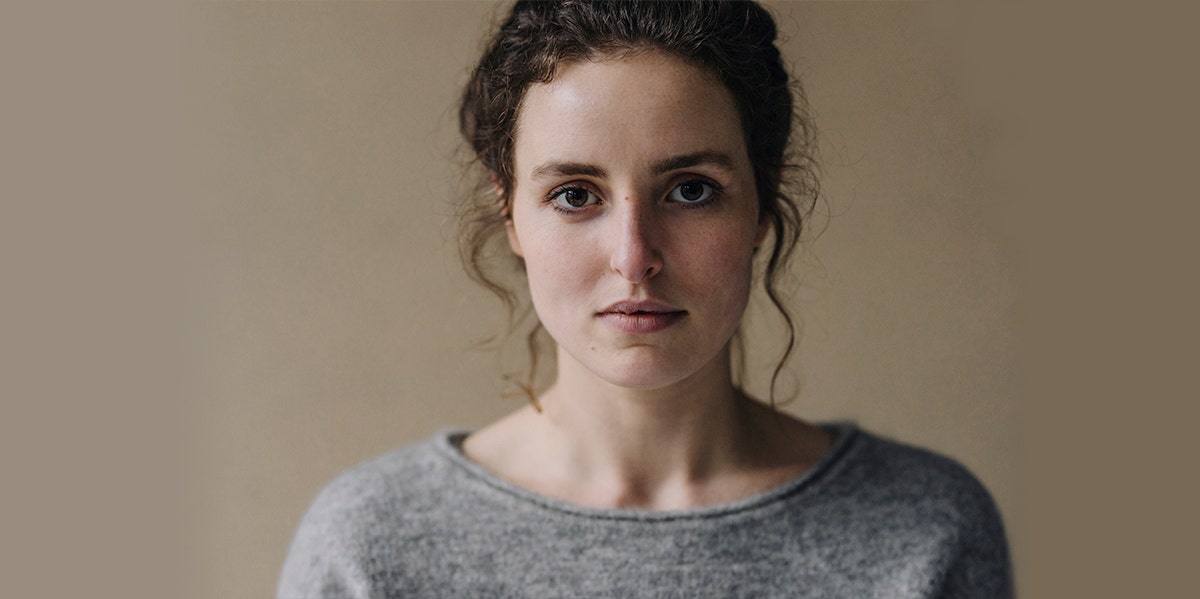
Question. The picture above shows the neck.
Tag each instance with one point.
(696, 442)
(646, 446)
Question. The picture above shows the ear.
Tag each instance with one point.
(760, 233)
(498, 191)
(764, 222)
(506, 210)
(513, 241)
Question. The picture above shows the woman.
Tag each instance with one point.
(638, 162)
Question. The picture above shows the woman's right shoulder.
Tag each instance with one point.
(370, 510)
(404, 480)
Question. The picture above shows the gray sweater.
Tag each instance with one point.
(874, 518)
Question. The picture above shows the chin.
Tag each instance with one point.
(643, 373)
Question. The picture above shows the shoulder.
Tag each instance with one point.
(885, 470)
(927, 502)
(397, 492)
(403, 477)
(368, 511)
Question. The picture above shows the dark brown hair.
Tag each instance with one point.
(734, 40)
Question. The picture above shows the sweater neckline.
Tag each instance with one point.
(448, 444)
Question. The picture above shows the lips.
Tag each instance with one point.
(640, 317)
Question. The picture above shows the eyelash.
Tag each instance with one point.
(551, 198)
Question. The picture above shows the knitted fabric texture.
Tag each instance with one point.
(874, 518)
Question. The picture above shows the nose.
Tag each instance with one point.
(635, 252)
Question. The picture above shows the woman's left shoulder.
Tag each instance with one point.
(908, 477)
(930, 505)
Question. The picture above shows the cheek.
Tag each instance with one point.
(722, 271)
(551, 281)
(737, 277)
(724, 261)
(556, 269)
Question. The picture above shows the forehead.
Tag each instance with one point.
(641, 107)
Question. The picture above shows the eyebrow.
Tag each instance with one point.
(710, 158)
(551, 170)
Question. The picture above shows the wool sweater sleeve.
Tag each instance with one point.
(328, 553)
(369, 532)
(981, 568)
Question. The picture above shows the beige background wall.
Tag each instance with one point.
(341, 324)
(210, 296)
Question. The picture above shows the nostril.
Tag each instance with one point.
(634, 254)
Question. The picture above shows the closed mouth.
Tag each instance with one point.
(641, 317)
(644, 307)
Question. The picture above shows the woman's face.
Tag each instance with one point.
(634, 207)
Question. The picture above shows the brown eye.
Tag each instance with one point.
(574, 197)
(692, 192)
